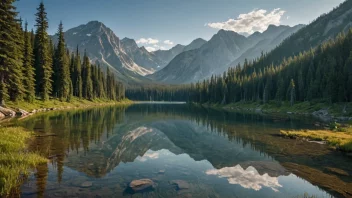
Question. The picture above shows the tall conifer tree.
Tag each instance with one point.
(11, 45)
(77, 75)
(28, 69)
(61, 63)
(87, 79)
(42, 59)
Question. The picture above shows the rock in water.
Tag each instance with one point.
(141, 185)
(86, 184)
(180, 184)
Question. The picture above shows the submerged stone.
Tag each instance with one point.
(180, 184)
(141, 185)
(86, 184)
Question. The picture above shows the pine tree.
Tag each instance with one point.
(11, 46)
(292, 92)
(348, 73)
(28, 69)
(77, 83)
(87, 79)
(61, 63)
(42, 59)
(301, 87)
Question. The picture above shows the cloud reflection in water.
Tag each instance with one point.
(248, 178)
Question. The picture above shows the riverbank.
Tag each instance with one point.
(24, 109)
(15, 161)
(339, 140)
(341, 112)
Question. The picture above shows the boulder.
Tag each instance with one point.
(21, 112)
(141, 185)
(7, 112)
(1, 115)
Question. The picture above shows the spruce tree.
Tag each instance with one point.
(77, 83)
(61, 64)
(28, 69)
(11, 46)
(292, 92)
(42, 58)
(87, 79)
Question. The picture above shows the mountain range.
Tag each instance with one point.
(129, 62)
(221, 50)
(201, 59)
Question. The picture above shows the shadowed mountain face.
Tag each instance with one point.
(222, 50)
(167, 55)
(140, 55)
(104, 47)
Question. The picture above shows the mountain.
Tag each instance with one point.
(195, 44)
(167, 55)
(266, 41)
(324, 28)
(104, 47)
(140, 55)
(222, 49)
(129, 62)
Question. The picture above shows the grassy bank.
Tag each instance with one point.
(15, 161)
(57, 104)
(303, 108)
(338, 140)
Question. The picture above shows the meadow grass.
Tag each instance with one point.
(55, 103)
(336, 109)
(338, 140)
(15, 161)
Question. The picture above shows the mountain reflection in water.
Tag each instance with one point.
(185, 151)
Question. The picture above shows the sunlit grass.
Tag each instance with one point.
(336, 109)
(339, 140)
(55, 103)
(15, 161)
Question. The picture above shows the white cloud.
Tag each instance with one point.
(154, 48)
(257, 20)
(168, 42)
(249, 178)
(147, 41)
(151, 44)
(151, 49)
(149, 155)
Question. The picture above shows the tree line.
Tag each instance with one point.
(158, 93)
(321, 74)
(32, 66)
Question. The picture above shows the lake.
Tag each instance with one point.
(182, 151)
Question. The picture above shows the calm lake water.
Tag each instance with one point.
(185, 151)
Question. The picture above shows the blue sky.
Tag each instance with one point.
(176, 21)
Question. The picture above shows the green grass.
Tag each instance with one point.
(55, 103)
(15, 162)
(338, 140)
(275, 107)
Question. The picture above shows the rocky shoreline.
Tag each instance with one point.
(9, 113)
(6, 112)
(322, 114)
